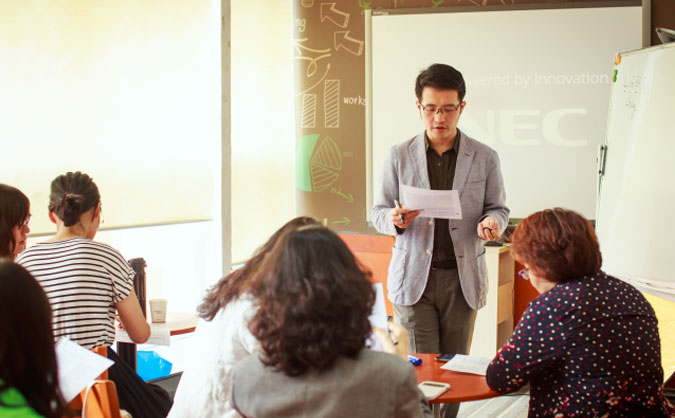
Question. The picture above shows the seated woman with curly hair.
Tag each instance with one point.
(589, 344)
(223, 338)
(312, 326)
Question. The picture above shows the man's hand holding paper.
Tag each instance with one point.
(402, 216)
(432, 203)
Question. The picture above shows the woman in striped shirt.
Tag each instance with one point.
(87, 282)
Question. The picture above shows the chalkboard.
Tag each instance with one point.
(637, 186)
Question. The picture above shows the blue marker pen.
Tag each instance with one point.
(414, 360)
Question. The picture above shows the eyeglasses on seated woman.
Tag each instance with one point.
(14, 221)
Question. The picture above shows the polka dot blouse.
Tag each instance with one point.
(588, 347)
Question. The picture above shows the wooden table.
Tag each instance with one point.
(177, 322)
(463, 386)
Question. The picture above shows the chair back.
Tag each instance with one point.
(102, 351)
(99, 399)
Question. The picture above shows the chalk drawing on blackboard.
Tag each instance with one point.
(304, 147)
(331, 103)
(348, 196)
(364, 5)
(318, 162)
(331, 13)
(313, 59)
(308, 111)
(341, 39)
(317, 83)
(345, 220)
(325, 164)
(305, 53)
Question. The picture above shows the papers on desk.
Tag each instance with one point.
(160, 334)
(77, 367)
(432, 203)
(468, 364)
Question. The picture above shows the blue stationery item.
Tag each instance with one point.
(414, 360)
(150, 365)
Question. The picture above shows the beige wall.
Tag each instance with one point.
(126, 91)
(129, 92)
(263, 194)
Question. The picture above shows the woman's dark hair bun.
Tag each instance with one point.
(71, 208)
(71, 195)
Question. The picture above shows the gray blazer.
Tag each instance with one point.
(371, 385)
(478, 179)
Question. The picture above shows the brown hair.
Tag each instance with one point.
(14, 210)
(237, 282)
(557, 244)
(27, 357)
(313, 302)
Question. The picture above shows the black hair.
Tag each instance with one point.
(14, 209)
(440, 77)
(27, 357)
(72, 194)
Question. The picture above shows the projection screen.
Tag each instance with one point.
(538, 85)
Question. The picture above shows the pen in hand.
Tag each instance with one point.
(400, 215)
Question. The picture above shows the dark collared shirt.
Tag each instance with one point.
(441, 170)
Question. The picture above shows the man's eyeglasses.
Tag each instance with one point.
(431, 110)
(524, 274)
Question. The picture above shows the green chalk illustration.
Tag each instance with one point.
(345, 220)
(338, 192)
(318, 163)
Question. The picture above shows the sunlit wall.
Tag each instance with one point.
(263, 194)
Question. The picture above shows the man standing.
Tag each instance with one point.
(437, 276)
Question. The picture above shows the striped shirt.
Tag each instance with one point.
(83, 280)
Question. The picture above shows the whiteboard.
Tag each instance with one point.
(538, 84)
(637, 190)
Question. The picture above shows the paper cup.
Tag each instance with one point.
(158, 310)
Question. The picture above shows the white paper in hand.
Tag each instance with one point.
(77, 367)
(432, 203)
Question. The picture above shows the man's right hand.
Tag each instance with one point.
(408, 216)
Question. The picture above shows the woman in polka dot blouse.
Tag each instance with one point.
(589, 344)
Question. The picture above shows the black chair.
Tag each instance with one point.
(127, 351)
